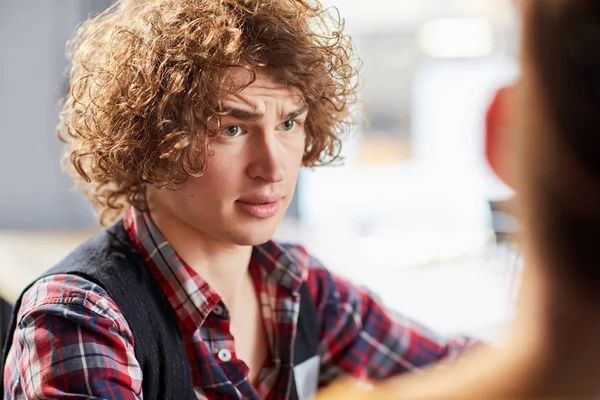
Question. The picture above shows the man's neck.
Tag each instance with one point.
(223, 265)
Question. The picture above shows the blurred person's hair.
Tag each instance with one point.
(147, 78)
(563, 49)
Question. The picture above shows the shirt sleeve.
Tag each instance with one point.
(362, 339)
(71, 341)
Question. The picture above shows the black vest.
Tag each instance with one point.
(110, 261)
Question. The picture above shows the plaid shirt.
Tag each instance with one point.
(72, 341)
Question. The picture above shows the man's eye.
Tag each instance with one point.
(288, 125)
(232, 131)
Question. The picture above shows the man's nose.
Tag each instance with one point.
(266, 164)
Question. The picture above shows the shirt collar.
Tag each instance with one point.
(192, 297)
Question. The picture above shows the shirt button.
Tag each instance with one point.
(224, 355)
(218, 310)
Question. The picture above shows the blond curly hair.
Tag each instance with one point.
(147, 78)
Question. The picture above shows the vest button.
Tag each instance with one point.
(224, 355)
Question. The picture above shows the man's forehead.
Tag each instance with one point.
(237, 84)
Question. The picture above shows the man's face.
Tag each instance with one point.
(251, 173)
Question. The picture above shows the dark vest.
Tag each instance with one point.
(110, 261)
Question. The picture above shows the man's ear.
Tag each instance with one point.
(498, 126)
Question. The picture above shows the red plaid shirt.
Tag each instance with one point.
(72, 341)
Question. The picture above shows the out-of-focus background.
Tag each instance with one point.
(415, 213)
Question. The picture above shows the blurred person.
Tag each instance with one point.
(545, 142)
(187, 123)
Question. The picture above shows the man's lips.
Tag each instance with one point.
(260, 206)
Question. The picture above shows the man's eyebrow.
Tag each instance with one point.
(295, 114)
(251, 116)
(239, 113)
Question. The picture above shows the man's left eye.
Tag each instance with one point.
(233, 130)
(289, 125)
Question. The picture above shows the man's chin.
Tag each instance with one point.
(253, 232)
(253, 241)
(254, 237)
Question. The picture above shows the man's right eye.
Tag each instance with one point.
(232, 131)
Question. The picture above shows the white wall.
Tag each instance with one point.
(34, 192)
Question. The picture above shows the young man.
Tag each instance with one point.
(187, 124)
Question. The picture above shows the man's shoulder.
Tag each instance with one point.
(102, 259)
(79, 279)
(109, 244)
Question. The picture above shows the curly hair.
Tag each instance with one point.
(147, 77)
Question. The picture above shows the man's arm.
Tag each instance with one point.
(363, 339)
(71, 342)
